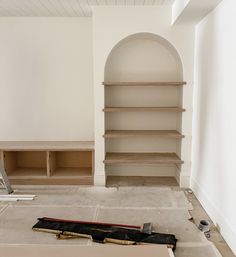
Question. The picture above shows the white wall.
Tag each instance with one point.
(143, 58)
(214, 128)
(46, 79)
(110, 26)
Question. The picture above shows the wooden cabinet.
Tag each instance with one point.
(48, 162)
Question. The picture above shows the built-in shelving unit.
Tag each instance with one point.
(170, 113)
(48, 162)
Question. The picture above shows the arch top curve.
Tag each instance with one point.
(143, 56)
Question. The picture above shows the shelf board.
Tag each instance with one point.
(142, 133)
(142, 158)
(25, 172)
(72, 172)
(79, 180)
(150, 83)
(46, 145)
(143, 109)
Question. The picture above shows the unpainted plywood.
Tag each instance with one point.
(54, 180)
(46, 145)
(30, 159)
(142, 133)
(73, 159)
(157, 84)
(142, 158)
(88, 251)
(143, 109)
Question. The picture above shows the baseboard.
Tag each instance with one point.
(183, 181)
(225, 229)
(100, 180)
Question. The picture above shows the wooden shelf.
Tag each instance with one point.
(26, 172)
(156, 147)
(158, 84)
(142, 158)
(143, 109)
(70, 180)
(142, 133)
(46, 145)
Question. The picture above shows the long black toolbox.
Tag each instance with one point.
(103, 232)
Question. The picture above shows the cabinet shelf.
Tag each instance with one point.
(142, 158)
(46, 145)
(143, 109)
(158, 84)
(142, 133)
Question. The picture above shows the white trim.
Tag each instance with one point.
(99, 180)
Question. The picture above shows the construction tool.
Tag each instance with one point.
(103, 232)
(145, 228)
(6, 183)
(5, 180)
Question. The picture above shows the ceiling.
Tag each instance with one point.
(65, 8)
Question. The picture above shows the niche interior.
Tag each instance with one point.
(143, 108)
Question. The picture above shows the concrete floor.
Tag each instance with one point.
(168, 208)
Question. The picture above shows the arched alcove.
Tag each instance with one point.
(143, 80)
(143, 57)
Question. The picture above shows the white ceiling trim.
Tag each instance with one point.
(65, 8)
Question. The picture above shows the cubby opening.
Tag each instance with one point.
(25, 163)
(71, 163)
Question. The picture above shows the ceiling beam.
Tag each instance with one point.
(191, 11)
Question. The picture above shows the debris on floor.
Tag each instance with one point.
(204, 226)
(15, 198)
(105, 232)
(166, 208)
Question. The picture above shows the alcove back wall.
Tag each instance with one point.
(46, 79)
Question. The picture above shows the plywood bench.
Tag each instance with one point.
(56, 163)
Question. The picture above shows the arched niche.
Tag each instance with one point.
(143, 57)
